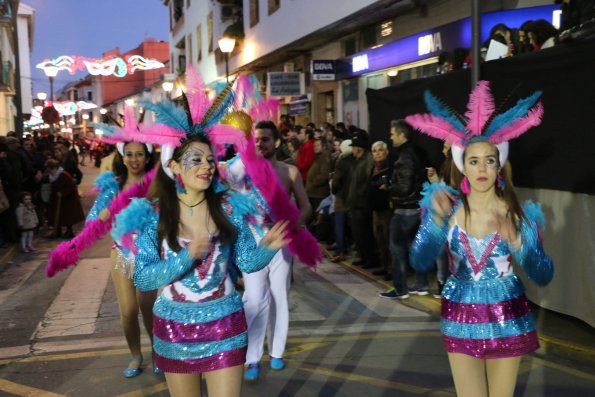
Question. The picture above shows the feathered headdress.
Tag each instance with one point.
(197, 116)
(481, 122)
(118, 135)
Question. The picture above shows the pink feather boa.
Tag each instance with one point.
(261, 172)
(66, 254)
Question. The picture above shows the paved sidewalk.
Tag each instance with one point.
(561, 335)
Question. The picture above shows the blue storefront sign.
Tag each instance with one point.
(323, 69)
(432, 42)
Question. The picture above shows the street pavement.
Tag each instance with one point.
(61, 337)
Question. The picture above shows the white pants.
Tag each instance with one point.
(266, 305)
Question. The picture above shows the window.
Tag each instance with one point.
(210, 31)
(89, 95)
(254, 12)
(199, 43)
(189, 47)
(274, 6)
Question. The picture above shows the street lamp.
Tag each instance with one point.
(167, 86)
(42, 96)
(51, 71)
(226, 45)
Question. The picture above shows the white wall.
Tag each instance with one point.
(25, 17)
(293, 20)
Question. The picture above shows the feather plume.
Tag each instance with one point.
(267, 109)
(169, 114)
(222, 134)
(440, 109)
(243, 91)
(198, 99)
(265, 179)
(160, 134)
(186, 107)
(511, 115)
(519, 126)
(479, 108)
(135, 217)
(436, 127)
(219, 107)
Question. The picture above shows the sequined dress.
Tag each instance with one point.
(485, 313)
(199, 322)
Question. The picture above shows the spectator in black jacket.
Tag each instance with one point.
(575, 12)
(380, 204)
(405, 187)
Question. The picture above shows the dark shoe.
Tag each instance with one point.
(393, 294)
(419, 290)
(337, 258)
(438, 293)
(131, 372)
(357, 262)
(379, 272)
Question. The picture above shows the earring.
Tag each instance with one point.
(465, 188)
(179, 185)
(500, 183)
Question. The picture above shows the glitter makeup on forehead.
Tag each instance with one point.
(194, 157)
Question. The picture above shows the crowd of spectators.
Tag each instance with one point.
(356, 188)
(45, 169)
(530, 36)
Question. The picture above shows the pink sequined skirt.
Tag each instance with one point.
(488, 318)
(192, 338)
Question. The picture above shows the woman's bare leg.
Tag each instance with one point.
(469, 375)
(225, 382)
(183, 385)
(146, 300)
(126, 294)
(502, 375)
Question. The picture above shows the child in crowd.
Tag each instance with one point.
(27, 220)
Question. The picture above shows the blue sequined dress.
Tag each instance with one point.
(199, 323)
(485, 313)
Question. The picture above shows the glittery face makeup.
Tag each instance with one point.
(195, 157)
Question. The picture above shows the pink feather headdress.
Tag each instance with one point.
(481, 122)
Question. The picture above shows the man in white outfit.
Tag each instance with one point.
(266, 291)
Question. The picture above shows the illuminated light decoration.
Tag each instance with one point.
(70, 108)
(137, 62)
(101, 67)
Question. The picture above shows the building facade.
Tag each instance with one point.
(327, 45)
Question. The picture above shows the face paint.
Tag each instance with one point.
(195, 157)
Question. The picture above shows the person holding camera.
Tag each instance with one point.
(379, 200)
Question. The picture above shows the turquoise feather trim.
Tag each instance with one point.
(137, 216)
(437, 108)
(429, 189)
(241, 204)
(534, 213)
(511, 115)
(169, 114)
(107, 180)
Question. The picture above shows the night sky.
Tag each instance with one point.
(89, 28)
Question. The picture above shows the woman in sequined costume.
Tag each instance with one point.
(132, 160)
(487, 324)
(191, 238)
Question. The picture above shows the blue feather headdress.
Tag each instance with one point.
(480, 123)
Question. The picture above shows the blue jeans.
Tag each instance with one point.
(402, 231)
(340, 221)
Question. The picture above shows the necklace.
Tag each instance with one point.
(190, 212)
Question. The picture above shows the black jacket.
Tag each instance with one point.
(379, 199)
(408, 177)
